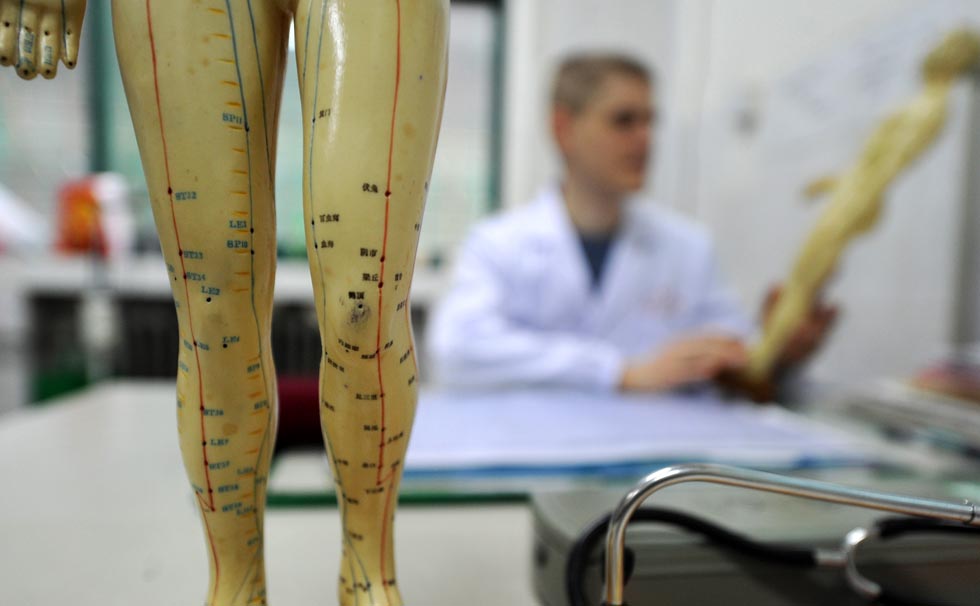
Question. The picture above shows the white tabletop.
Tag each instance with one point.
(96, 511)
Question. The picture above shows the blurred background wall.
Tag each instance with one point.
(757, 98)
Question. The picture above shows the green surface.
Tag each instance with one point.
(284, 499)
(49, 385)
(450, 489)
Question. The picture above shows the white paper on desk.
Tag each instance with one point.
(550, 429)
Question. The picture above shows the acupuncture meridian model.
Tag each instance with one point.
(857, 195)
(203, 79)
(36, 34)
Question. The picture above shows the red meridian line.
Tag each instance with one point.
(391, 474)
(384, 537)
(214, 554)
(183, 269)
(197, 356)
(200, 385)
(377, 347)
(384, 242)
(398, 75)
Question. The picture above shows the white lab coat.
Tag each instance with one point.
(521, 309)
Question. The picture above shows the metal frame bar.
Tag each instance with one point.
(964, 512)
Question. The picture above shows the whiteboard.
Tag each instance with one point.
(897, 285)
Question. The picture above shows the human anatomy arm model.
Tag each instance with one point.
(856, 196)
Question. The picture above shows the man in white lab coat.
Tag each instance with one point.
(587, 287)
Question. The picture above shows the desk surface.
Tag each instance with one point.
(96, 510)
(508, 443)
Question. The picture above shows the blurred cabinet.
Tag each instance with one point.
(133, 332)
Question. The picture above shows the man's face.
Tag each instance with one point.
(607, 143)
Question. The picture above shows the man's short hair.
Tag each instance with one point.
(580, 76)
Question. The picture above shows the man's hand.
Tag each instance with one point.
(688, 360)
(808, 337)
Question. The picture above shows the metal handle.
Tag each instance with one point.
(964, 512)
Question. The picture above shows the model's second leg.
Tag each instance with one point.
(372, 77)
(203, 80)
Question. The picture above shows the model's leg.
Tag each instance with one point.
(372, 77)
(203, 81)
(35, 34)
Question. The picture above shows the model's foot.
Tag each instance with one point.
(36, 34)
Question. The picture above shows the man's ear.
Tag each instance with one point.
(561, 126)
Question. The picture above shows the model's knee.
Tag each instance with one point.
(213, 321)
